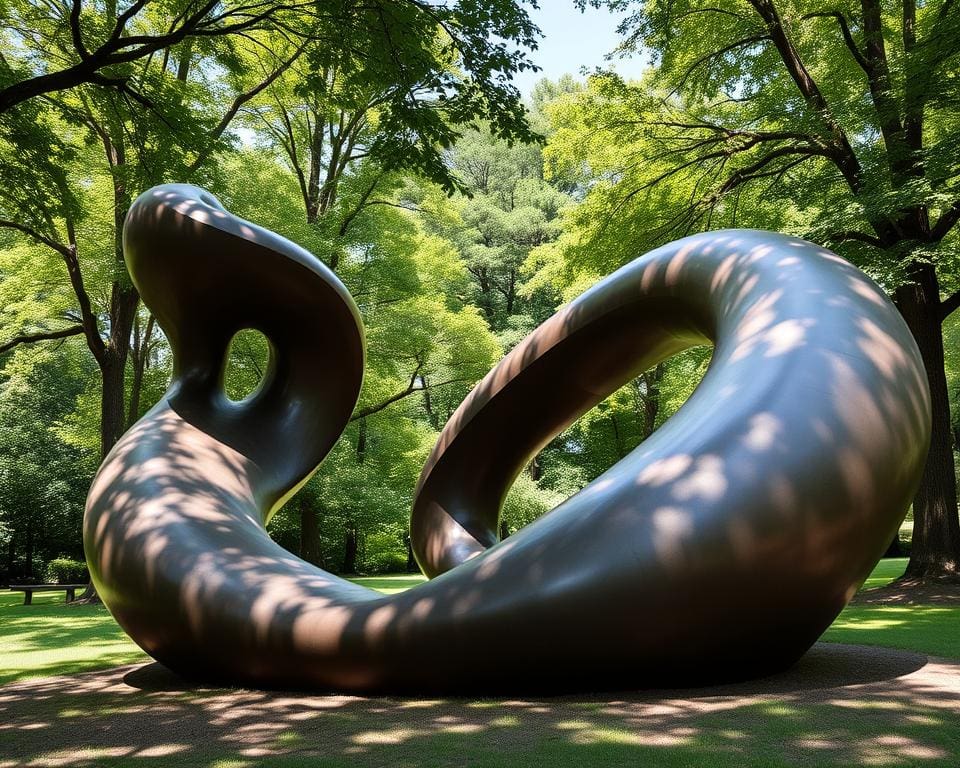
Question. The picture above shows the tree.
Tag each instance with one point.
(422, 340)
(42, 478)
(155, 125)
(97, 44)
(844, 117)
(505, 210)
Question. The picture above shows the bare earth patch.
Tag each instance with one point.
(840, 705)
(904, 591)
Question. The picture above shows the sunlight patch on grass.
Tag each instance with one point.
(885, 572)
(51, 637)
(932, 629)
(390, 584)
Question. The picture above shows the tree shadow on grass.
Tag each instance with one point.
(840, 705)
(60, 640)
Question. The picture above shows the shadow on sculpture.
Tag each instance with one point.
(716, 551)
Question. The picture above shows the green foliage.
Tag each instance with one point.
(526, 501)
(832, 123)
(385, 551)
(64, 570)
(42, 480)
(507, 210)
(248, 359)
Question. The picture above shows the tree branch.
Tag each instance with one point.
(33, 234)
(862, 237)
(75, 33)
(30, 338)
(752, 39)
(411, 389)
(949, 305)
(69, 254)
(946, 222)
(847, 37)
(843, 155)
(238, 102)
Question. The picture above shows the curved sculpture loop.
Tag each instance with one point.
(719, 549)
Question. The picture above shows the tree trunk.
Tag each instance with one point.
(504, 530)
(362, 440)
(112, 412)
(935, 550)
(535, 468)
(428, 405)
(309, 533)
(28, 556)
(350, 550)
(412, 566)
(895, 549)
(140, 354)
(11, 554)
(651, 405)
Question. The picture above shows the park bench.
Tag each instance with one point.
(29, 589)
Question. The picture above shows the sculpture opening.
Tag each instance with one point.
(246, 365)
(717, 550)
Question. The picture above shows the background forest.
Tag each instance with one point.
(385, 138)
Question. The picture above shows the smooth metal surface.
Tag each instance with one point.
(719, 549)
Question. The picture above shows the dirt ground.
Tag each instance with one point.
(904, 591)
(841, 705)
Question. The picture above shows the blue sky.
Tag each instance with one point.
(572, 40)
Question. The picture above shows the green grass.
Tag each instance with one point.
(52, 638)
(392, 583)
(930, 629)
(885, 572)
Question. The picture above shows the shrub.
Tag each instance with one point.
(384, 552)
(387, 562)
(63, 570)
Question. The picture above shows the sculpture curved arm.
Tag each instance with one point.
(719, 549)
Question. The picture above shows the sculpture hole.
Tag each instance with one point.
(248, 360)
(601, 437)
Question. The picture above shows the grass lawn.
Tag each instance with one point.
(892, 719)
(51, 638)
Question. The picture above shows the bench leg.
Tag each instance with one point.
(28, 597)
(70, 595)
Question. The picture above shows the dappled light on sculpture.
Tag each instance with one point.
(718, 550)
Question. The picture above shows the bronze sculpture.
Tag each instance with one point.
(719, 549)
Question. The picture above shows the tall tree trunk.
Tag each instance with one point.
(651, 404)
(895, 549)
(535, 468)
(124, 300)
(935, 550)
(428, 405)
(12, 552)
(140, 355)
(112, 412)
(412, 566)
(136, 387)
(309, 533)
(350, 549)
(28, 554)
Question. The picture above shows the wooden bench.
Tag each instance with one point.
(29, 589)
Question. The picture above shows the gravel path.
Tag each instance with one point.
(841, 705)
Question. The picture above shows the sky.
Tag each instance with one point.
(572, 40)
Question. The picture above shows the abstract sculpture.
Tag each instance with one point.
(719, 549)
